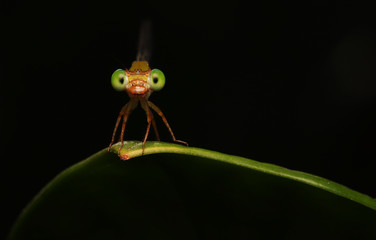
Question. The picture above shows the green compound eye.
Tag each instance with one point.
(157, 80)
(119, 80)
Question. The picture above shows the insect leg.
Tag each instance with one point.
(125, 118)
(160, 113)
(131, 105)
(155, 129)
(145, 138)
(150, 119)
(117, 124)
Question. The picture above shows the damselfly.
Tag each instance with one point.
(139, 82)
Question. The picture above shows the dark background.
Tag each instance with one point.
(290, 84)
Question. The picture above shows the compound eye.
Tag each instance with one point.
(119, 80)
(157, 80)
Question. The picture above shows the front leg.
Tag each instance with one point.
(150, 119)
(123, 109)
(125, 118)
(131, 105)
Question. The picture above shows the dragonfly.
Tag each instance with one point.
(139, 81)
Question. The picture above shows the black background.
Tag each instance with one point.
(286, 83)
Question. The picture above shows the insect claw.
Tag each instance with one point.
(109, 147)
(182, 142)
(121, 146)
(143, 149)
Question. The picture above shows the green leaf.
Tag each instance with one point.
(189, 193)
(319, 182)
